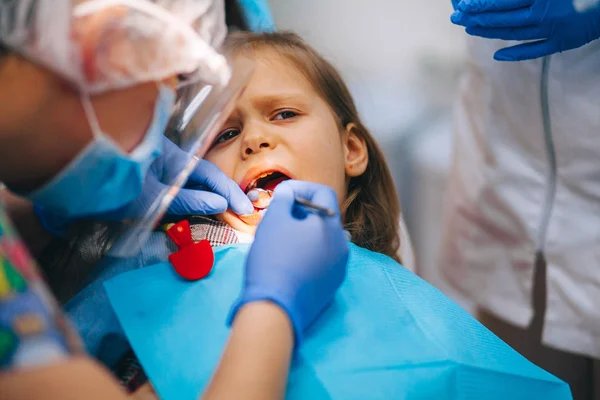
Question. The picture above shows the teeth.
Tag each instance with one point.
(252, 185)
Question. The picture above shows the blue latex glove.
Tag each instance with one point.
(553, 25)
(298, 259)
(208, 191)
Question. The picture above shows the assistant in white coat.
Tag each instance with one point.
(526, 180)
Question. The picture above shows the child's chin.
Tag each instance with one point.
(246, 224)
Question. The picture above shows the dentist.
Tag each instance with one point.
(88, 87)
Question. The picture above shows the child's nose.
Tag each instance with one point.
(257, 141)
(255, 149)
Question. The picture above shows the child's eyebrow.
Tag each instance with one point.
(271, 100)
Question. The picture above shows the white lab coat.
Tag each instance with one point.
(502, 204)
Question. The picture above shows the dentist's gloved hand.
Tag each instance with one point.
(298, 259)
(208, 191)
(553, 25)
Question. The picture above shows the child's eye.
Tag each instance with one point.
(286, 114)
(227, 135)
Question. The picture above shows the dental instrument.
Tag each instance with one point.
(312, 207)
(258, 194)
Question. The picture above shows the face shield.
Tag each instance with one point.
(207, 86)
(100, 46)
(200, 111)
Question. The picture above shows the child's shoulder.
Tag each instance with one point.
(360, 255)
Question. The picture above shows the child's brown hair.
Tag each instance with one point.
(372, 209)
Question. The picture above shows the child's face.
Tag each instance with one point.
(281, 124)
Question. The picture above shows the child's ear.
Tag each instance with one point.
(356, 154)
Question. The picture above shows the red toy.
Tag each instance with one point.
(194, 260)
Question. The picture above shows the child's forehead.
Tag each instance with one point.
(279, 78)
(276, 69)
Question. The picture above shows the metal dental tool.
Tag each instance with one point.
(255, 194)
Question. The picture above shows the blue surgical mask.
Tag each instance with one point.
(103, 177)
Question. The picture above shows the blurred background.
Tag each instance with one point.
(402, 60)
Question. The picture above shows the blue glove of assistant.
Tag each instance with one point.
(298, 259)
(208, 191)
(552, 25)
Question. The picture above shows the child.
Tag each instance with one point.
(296, 119)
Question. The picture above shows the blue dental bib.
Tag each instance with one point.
(387, 335)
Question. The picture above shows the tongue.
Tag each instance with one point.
(272, 184)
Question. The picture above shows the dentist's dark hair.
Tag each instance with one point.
(371, 211)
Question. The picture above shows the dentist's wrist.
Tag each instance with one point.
(266, 313)
(250, 298)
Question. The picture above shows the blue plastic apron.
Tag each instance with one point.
(388, 335)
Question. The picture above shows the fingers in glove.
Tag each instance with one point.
(288, 191)
(500, 19)
(196, 202)
(173, 160)
(282, 202)
(321, 195)
(476, 6)
(522, 33)
(209, 175)
(526, 51)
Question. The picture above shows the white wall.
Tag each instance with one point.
(401, 58)
(382, 40)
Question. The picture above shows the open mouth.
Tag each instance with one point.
(264, 184)
(267, 181)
